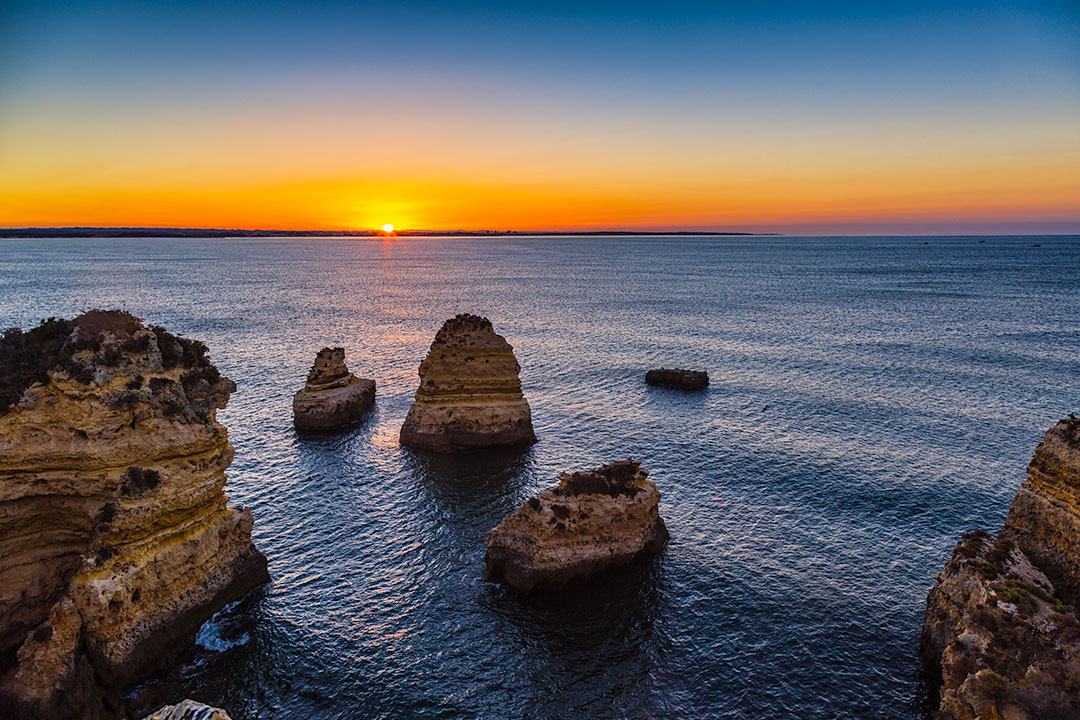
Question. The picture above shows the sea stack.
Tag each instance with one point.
(116, 542)
(1001, 637)
(333, 397)
(470, 394)
(590, 521)
(680, 379)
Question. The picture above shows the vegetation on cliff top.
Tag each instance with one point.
(55, 345)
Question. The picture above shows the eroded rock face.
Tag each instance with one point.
(470, 394)
(188, 710)
(333, 397)
(1001, 634)
(116, 542)
(1044, 518)
(681, 379)
(589, 522)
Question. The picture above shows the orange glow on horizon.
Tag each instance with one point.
(679, 183)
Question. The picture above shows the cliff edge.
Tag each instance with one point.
(116, 542)
(1001, 637)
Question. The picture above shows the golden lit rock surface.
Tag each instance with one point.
(1001, 635)
(116, 541)
(1044, 518)
(470, 394)
(333, 397)
(589, 522)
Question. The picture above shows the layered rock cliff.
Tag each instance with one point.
(333, 397)
(1001, 638)
(589, 522)
(1044, 518)
(470, 394)
(116, 542)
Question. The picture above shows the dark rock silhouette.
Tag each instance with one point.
(680, 379)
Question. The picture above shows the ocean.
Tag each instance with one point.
(871, 399)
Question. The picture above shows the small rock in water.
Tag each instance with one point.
(333, 397)
(681, 379)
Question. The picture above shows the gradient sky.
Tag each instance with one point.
(793, 117)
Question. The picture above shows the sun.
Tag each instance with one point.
(388, 228)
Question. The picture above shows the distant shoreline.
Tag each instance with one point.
(93, 232)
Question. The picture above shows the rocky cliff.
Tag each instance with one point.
(589, 522)
(470, 394)
(1001, 638)
(333, 397)
(1044, 518)
(116, 542)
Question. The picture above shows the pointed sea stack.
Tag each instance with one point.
(116, 541)
(589, 522)
(333, 397)
(1001, 637)
(470, 394)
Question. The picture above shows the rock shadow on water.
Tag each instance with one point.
(610, 627)
(347, 430)
(479, 487)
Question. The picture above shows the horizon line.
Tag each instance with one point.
(179, 231)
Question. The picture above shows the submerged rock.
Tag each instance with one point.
(681, 379)
(116, 541)
(333, 396)
(470, 394)
(589, 522)
(188, 710)
(1001, 637)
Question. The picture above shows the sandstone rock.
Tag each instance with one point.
(470, 394)
(333, 397)
(681, 379)
(589, 522)
(188, 710)
(116, 542)
(1044, 518)
(1001, 636)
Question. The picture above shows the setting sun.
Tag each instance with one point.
(388, 228)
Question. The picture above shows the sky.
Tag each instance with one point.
(824, 117)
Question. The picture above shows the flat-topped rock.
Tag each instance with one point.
(1001, 636)
(333, 397)
(589, 522)
(470, 393)
(680, 379)
(116, 539)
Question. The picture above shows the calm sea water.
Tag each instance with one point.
(871, 399)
